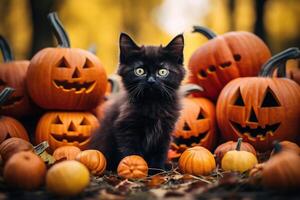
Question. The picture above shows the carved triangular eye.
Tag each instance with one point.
(84, 122)
(87, 64)
(57, 120)
(186, 127)
(200, 115)
(270, 99)
(63, 63)
(72, 127)
(239, 99)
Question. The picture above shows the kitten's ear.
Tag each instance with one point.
(127, 46)
(175, 47)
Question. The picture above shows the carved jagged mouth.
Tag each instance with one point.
(70, 138)
(12, 100)
(75, 86)
(191, 141)
(256, 132)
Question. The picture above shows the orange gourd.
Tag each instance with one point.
(94, 160)
(12, 146)
(25, 170)
(197, 161)
(133, 167)
(66, 153)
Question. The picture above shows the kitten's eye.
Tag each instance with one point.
(163, 72)
(139, 71)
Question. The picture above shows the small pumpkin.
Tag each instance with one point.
(133, 167)
(288, 146)
(281, 171)
(237, 160)
(68, 78)
(12, 146)
(261, 109)
(66, 129)
(224, 58)
(13, 74)
(94, 160)
(222, 149)
(196, 125)
(66, 153)
(197, 161)
(67, 178)
(25, 170)
(9, 127)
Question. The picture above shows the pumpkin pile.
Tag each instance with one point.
(236, 94)
(71, 81)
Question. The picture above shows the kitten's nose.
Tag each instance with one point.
(151, 80)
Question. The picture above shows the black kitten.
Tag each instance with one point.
(141, 119)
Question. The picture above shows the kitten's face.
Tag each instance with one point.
(151, 72)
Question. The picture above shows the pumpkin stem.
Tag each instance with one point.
(59, 31)
(5, 49)
(190, 88)
(277, 147)
(209, 34)
(278, 61)
(238, 144)
(5, 94)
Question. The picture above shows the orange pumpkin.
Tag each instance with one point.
(224, 58)
(25, 170)
(94, 160)
(133, 167)
(68, 78)
(288, 146)
(66, 153)
(9, 127)
(261, 109)
(66, 129)
(281, 171)
(13, 74)
(197, 122)
(12, 146)
(197, 161)
(222, 149)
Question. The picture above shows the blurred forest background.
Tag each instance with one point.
(99, 22)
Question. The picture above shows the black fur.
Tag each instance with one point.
(140, 120)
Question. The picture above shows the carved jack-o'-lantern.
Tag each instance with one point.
(9, 127)
(197, 123)
(65, 78)
(66, 128)
(224, 58)
(261, 109)
(13, 74)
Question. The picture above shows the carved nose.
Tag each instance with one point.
(76, 73)
(72, 127)
(252, 117)
(151, 80)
